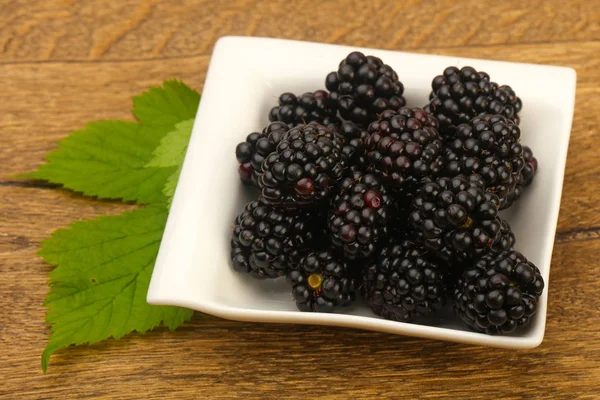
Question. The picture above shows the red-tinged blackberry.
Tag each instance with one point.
(363, 86)
(404, 147)
(499, 293)
(321, 282)
(258, 145)
(460, 94)
(304, 168)
(525, 177)
(310, 107)
(405, 282)
(489, 146)
(359, 215)
(456, 218)
(267, 242)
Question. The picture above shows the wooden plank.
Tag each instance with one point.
(214, 358)
(133, 29)
(65, 62)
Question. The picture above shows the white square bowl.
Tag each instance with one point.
(245, 77)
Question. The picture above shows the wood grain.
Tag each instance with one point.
(130, 29)
(64, 63)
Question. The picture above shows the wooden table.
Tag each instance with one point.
(64, 63)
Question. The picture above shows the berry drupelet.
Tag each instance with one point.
(267, 242)
(258, 145)
(489, 146)
(499, 293)
(310, 107)
(456, 217)
(530, 169)
(321, 282)
(524, 178)
(355, 138)
(405, 282)
(359, 216)
(363, 86)
(460, 94)
(404, 147)
(304, 168)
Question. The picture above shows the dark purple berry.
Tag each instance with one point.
(363, 87)
(498, 293)
(267, 242)
(359, 216)
(321, 282)
(405, 282)
(461, 94)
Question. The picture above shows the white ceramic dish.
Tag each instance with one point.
(244, 79)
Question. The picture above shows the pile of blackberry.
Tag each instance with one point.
(362, 195)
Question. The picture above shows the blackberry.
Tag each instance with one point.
(460, 94)
(404, 282)
(499, 293)
(363, 86)
(321, 282)
(489, 146)
(267, 242)
(302, 171)
(456, 218)
(258, 145)
(403, 147)
(300, 110)
(526, 176)
(359, 216)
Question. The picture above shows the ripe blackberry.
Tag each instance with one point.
(363, 86)
(460, 94)
(524, 178)
(404, 282)
(403, 147)
(359, 216)
(498, 293)
(267, 241)
(456, 218)
(321, 282)
(300, 110)
(258, 145)
(489, 146)
(304, 168)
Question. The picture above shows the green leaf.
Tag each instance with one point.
(171, 150)
(167, 105)
(98, 289)
(171, 185)
(108, 160)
